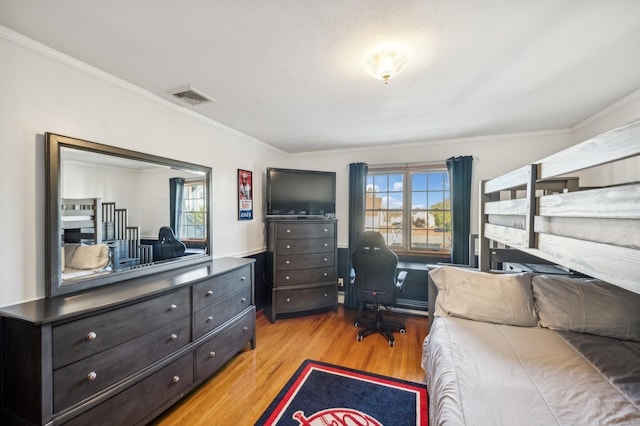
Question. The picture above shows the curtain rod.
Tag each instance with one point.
(411, 165)
(407, 165)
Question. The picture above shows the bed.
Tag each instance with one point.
(97, 239)
(524, 348)
(593, 230)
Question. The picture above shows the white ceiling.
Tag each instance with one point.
(291, 72)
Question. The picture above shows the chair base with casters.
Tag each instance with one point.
(377, 325)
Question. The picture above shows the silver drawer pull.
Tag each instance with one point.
(288, 246)
(287, 262)
(288, 230)
(325, 259)
(288, 300)
(242, 278)
(92, 376)
(209, 319)
(209, 293)
(325, 274)
(326, 230)
(325, 295)
(91, 336)
(326, 245)
(244, 299)
(287, 277)
(212, 354)
(174, 336)
(173, 307)
(175, 379)
(245, 329)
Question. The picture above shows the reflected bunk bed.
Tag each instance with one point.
(528, 348)
(96, 238)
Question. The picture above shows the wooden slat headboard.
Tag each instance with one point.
(568, 225)
(83, 215)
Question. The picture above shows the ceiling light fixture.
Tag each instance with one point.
(386, 64)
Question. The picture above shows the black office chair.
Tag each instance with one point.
(376, 283)
(168, 246)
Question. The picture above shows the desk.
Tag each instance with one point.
(414, 293)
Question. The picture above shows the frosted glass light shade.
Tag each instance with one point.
(386, 64)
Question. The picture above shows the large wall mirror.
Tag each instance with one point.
(115, 214)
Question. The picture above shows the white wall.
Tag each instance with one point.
(143, 193)
(622, 112)
(492, 156)
(44, 91)
(95, 181)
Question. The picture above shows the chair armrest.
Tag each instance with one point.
(402, 276)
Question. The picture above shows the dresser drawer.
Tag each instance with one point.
(305, 276)
(83, 378)
(147, 396)
(304, 261)
(217, 288)
(306, 299)
(305, 230)
(82, 338)
(301, 246)
(212, 316)
(220, 348)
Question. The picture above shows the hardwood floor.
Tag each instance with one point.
(244, 388)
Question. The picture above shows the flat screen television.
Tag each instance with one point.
(300, 193)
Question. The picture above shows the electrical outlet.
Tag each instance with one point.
(340, 282)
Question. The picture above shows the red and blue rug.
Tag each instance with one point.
(325, 394)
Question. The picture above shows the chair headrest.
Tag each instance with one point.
(371, 238)
(166, 233)
(371, 243)
(369, 250)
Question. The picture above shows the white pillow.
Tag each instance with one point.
(90, 257)
(68, 251)
(587, 306)
(483, 296)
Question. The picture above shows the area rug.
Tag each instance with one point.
(325, 394)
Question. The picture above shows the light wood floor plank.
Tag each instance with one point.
(240, 392)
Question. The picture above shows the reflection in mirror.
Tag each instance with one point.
(117, 214)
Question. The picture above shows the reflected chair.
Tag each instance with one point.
(169, 246)
(376, 283)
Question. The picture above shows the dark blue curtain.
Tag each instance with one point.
(176, 193)
(357, 193)
(459, 169)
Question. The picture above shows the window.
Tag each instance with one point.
(410, 207)
(193, 218)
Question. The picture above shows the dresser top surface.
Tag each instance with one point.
(44, 311)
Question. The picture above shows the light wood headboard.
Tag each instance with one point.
(540, 211)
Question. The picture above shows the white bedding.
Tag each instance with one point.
(490, 374)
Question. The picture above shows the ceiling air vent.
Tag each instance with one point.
(191, 96)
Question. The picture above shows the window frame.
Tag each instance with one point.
(184, 213)
(408, 171)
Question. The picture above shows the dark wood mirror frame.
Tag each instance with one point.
(53, 204)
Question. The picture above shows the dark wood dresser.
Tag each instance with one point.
(124, 353)
(302, 265)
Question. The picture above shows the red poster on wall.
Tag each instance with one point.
(245, 195)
